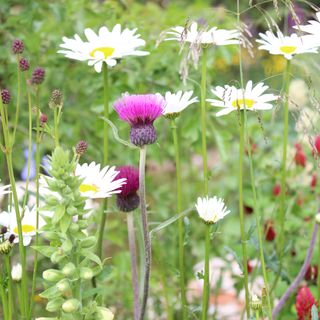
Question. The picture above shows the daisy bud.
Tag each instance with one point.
(313, 182)
(269, 231)
(43, 119)
(71, 305)
(3, 230)
(24, 64)
(56, 98)
(6, 96)
(140, 111)
(317, 144)
(38, 75)
(255, 303)
(276, 190)
(17, 46)
(81, 147)
(16, 272)
(128, 199)
(304, 303)
(5, 247)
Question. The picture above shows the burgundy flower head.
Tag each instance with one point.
(312, 273)
(38, 75)
(5, 96)
(128, 199)
(317, 144)
(17, 46)
(269, 231)
(140, 111)
(304, 303)
(24, 64)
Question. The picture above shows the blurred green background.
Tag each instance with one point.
(42, 24)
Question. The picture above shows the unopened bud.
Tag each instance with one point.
(71, 305)
(63, 285)
(86, 274)
(69, 269)
(56, 98)
(17, 46)
(6, 96)
(43, 119)
(3, 230)
(81, 147)
(105, 313)
(5, 247)
(16, 272)
(52, 275)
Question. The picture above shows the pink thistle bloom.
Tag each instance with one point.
(140, 111)
(128, 199)
(304, 303)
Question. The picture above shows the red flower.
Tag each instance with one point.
(300, 158)
(313, 182)
(269, 231)
(276, 190)
(304, 303)
(317, 144)
(249, 267)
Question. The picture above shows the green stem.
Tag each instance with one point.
(258, 315)
(10, 290)
(318, 268)
(184, 306)
(241, 214)
(29, 142)
(38, 138)
(56, 126)
(105, 153)
(282, 209)
(206, 289)
(8, 154)
(205, 297)
(146, 236)
(3, 298)
(18, 101)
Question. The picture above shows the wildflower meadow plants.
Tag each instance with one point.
(140, 190)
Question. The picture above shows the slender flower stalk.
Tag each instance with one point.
(134, 270)
(18, 99)
(254, 193)
(105, 153)
(318, 279)
(10, 287)
(56, 127)
(180, 221)
(282, 211)
(206, 287)
(4, 298)
(146, 236)
(241, 213)
(8, 155)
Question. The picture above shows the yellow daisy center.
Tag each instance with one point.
(88, 188)
(240, 103)
(288, 49)
(107, 51)
(26, 228)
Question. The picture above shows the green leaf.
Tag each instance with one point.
(47, 251)
(314, 313)
(67, 245)
(91, 256)
(58, 214)
(50, 293)
(65, 223)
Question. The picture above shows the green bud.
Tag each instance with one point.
(86, 273)
(83, 224)
(52, 275)
(57, 256)
(72, 211)
(74, 227)
(88, 242)
(63, 285)
(104, 314)
(71, 305)
(69, 269)
(54, 305)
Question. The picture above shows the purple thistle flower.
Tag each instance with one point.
(24, 64)
(140, 111)
(5, 96)
(128, 199)
(38, 75)
(17, 46)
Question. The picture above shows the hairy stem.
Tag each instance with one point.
(146, 236)
(134, 270)
(180, 221)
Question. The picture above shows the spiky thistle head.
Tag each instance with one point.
(38, 75)
(17, 46)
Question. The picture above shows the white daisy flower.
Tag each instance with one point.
(313, 28)
(28, 223)
(213, 36)
(211, 210)
(288, 46)
(16, 272)
(177, 102)
(98, 183)
(106, 46)
(231, 98)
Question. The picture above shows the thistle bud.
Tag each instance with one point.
(17, 46)
(43, 119)
(52, 275)
(6, 96)
(56, 98)
(71, 305)
(81, 147)
(24, 64)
